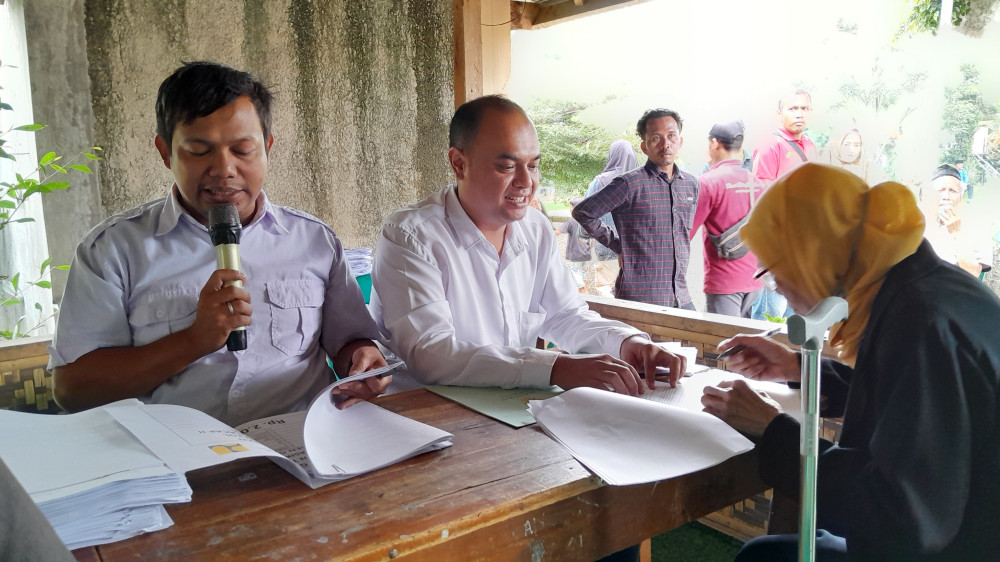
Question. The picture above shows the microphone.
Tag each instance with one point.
(224, 227)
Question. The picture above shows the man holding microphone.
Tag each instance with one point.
(138, 318)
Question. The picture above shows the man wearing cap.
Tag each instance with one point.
(789, 147)
(727, 193)
(952, 240)
(652, 207)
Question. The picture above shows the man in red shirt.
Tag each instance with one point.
(727, 194)
(789, 147)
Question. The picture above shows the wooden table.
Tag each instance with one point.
(496, 494)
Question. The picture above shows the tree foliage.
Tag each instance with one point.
(968, 16)
(573, 152)
(965, 108)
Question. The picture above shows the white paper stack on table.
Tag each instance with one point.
(658, 435)
(94, 481)
(103, 475)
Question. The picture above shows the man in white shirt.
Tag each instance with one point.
(469, 278)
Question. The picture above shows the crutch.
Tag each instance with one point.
(807, 331)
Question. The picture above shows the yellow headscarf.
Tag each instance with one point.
(822, 231)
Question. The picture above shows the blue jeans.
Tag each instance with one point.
(770, 302)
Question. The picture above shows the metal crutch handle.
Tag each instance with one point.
(807, 331)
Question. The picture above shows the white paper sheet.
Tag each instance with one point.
(362, 438)
(626, 441)
(689, 391)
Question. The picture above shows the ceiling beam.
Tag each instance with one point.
(540, 16)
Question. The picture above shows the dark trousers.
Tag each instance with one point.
(782, 548)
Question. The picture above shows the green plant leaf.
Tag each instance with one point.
(58, 168)
(6, 106)
(6, 335)
(49, 157)
(32, 127)
(44, 284)
(41, 270)
(6, 204)
(96, 148)
(14, 280)
(38, 306)
(62, 267)
(90, 156)
(27, 219)
(5, 154)
(81, 168)
(50, 186)
(11, 302)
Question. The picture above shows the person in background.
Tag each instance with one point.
(621, 159)
(468, 280)
(789, 146)
(953, 239)
(964, 176)
(783, 151)
(727, 194)
(578, 247)
(138, 318)
(848, 153)
(914, 474)
(652, 208)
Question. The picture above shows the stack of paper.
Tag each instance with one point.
(629, 441)
(103, 475)
(91, 478)
(319, 446)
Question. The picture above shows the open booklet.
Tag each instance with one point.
(318, 446)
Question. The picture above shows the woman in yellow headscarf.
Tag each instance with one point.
(918, 385)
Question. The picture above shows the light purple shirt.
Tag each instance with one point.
(136, 278)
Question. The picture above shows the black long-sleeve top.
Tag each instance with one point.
(916, 473)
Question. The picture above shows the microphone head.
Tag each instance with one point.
(224, 214)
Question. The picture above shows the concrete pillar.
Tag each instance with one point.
(60, 94)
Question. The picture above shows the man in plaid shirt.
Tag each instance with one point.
(653, 209)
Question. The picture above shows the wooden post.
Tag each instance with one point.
(468, 45)
(496, 20)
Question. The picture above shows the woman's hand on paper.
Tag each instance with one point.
(363, 358)
(596, 371)
(646, 356)
(745, 409)
(761, 358)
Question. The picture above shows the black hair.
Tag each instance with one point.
(465, 123)
(797, 92)
(199, 88)
(729, 145)
(640, 127)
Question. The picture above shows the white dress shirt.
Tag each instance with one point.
(136, 278)
(459, 313)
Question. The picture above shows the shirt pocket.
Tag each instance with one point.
(530, 326)
(161, 313)
(296, 313)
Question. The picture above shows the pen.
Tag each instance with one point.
(738, 348)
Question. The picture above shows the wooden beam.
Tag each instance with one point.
(468, 50)
(522, 14)
(496, 22)
(552, 14)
